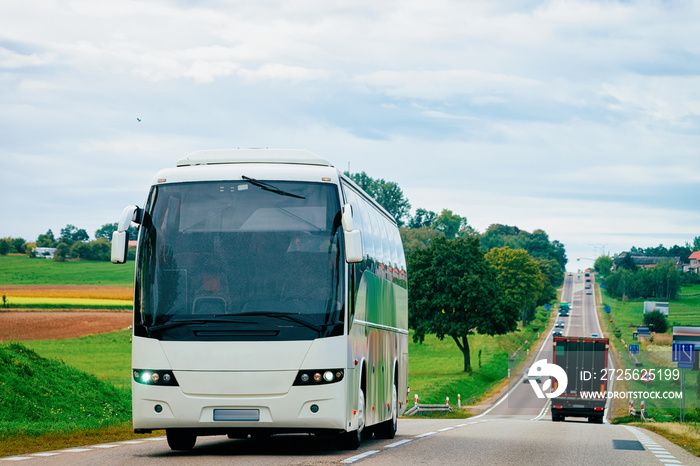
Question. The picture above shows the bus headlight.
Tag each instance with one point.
(154, 377)
(319, 377)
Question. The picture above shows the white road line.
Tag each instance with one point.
(359, 457)
(45, 454)
(426, 435)
(75, 450)
(445, 429)
(393, 445)
(104, 446)
(132, 442)
(16, 458)
(659, 452)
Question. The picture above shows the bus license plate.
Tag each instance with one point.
(236, 414)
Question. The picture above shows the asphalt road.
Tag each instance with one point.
(516, 429)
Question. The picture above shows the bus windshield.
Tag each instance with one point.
(240, 260)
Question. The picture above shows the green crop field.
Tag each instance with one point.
(20, 270)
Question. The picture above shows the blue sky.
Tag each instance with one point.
(578, 117)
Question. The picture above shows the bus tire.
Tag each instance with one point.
(180, 439)
(352, 440)
(387, 429)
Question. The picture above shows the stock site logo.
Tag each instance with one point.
(541, 369)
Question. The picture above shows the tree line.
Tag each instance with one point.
(663, 281)
(72, 243)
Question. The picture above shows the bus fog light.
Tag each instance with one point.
(158, 408)
(314, 408)
(328, 376)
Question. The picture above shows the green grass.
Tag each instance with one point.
(436, 368)
(112, 363)
(44, 399)
(656, 354)
(20, 270)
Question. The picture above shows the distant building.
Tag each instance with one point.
(694, 263)
(46, 253)
(644, 262)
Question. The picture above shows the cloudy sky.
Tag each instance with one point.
(578, 117)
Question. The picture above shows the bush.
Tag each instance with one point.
(656, 322)
(61, 253)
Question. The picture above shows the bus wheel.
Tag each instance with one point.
(179, 439)
(351, 440)
(387, 429)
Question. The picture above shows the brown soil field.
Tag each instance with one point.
(68, 291)
(55, 325)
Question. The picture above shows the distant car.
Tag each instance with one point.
(557, 333)
(564, 313)
(559, 324)
(595, 335)
(532, 377)
(589, 291)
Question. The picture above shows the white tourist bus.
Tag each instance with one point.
(270, 297)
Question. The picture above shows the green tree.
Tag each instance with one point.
(387, 193)
(62, 252)
(656, 321)
(603, 264)
(663, 281)
(454, 292)
(627, 263)
(5, 247)
(519, 277)
(46, 240)
(449, 223)
(417, 238)
(422, 219)
(106, 230)
(537, 243)
(71, 233)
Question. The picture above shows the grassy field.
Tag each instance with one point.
(47, 404)
(112, 363)
(435, 368)
(21, 270)
(655, 354)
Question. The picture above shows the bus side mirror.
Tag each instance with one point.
(353, 238)
(120, 238)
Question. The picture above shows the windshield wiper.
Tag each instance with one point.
(269, 187)
(180, 323)
(292, 317)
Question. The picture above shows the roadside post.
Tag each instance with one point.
(684, 355)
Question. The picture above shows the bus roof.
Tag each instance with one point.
(226, 156)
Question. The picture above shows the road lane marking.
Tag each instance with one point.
(16, 458)
(445, 429)
(659, 452)
(75, 450)
(426, 435)
(359, 457)
(393, 445)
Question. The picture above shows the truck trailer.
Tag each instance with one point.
(585, 362)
